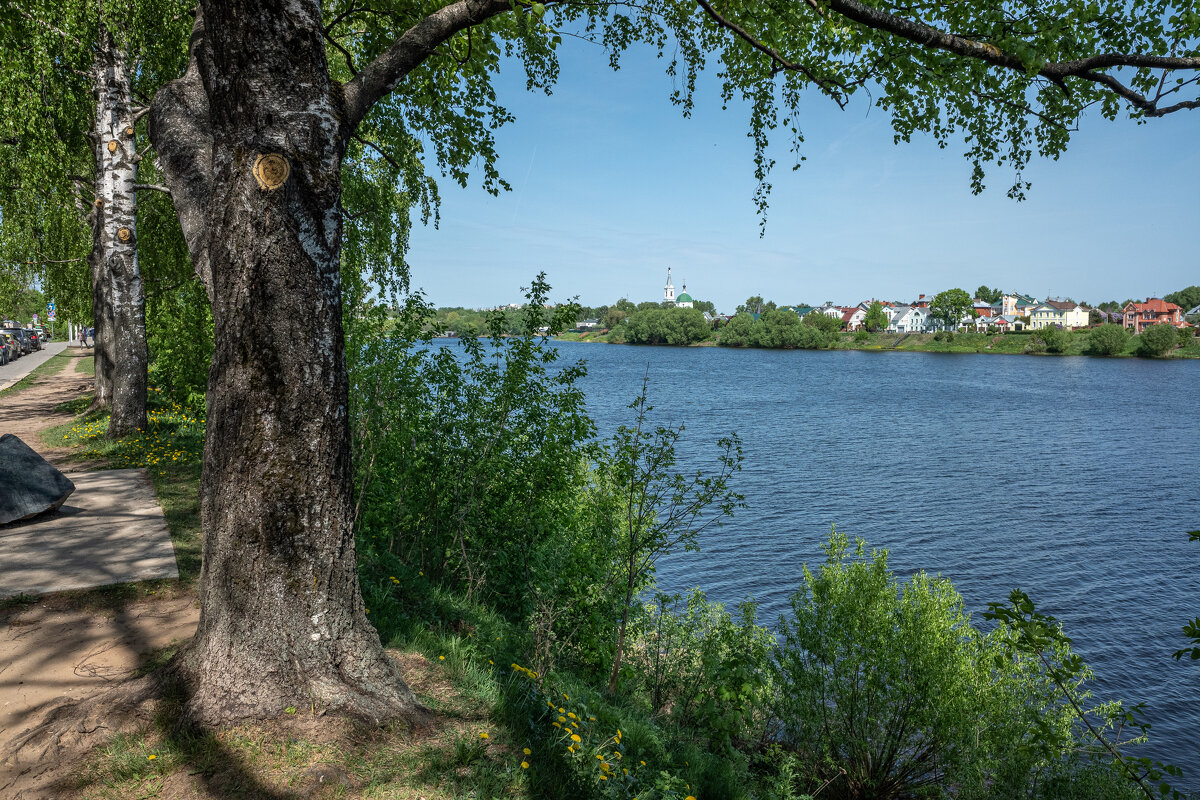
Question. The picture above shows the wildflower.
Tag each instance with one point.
(151, 757)
(441, 658)
(689, 797)
(483, 735)
(555, 724)
(605, 777)
(524, 765)
(527, 751)
(562, 719)
(561, 710)
(575, 737)
(643, 763)
(571, 748)
(571, 714)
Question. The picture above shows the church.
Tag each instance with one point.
(684, 300)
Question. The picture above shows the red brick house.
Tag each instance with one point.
(1139, 316)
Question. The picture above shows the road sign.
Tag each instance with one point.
(50, 306)
(51, 315)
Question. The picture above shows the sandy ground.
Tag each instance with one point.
(62, 647)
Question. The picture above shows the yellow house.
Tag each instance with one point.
(1065, 315)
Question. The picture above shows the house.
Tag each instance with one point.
(1008, 322)
(587, 325)
(909, 319)
(1059, 313)
(1139, 316)
(1017, 305)
(852, 318)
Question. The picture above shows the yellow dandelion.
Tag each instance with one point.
(571, 748)
(441, 658)
(571, 714)
(643, 763)
(575, 737)
(483, 735)
(605, 777)
(555, 724)
(562, 719)
(524, 765)
(527, 751)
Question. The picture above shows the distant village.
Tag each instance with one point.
(1011, 312)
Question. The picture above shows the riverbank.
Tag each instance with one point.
(1022, 343)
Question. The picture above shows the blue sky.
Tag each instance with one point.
(611, 185)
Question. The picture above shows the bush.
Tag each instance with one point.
(1107, 340)
(861, 335)
(675, 326)
(1056, 339)
(944, 336)
(1158, 340)
(823, 322)
(893, 685)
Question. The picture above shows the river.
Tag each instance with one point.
(1075, 479)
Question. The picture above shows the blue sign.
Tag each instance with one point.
(50, 305)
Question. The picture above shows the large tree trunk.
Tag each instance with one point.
(282, 619)
(118, 304)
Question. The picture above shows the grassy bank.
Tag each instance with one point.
(1023, 343)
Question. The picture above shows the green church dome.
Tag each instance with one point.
(684, 298)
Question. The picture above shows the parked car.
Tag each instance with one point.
(35, 339)
(7, 349)
(43, 335)
(22, 337)
(12, 345)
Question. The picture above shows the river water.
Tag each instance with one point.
(1075, 479)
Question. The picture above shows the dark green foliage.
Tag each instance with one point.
(891, 683)
(875, 320)
(677, 326)
(989, 295)
(949, 307)
(1186, 299)
(861, 335)
(780, 329)
(1157, 340)
(1055, 339)
(1108, 340)
(823, 322)
(468, 463)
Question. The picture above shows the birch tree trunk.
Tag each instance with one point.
(118, 303)
(250, 141)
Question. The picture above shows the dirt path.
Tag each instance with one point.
(68, 646)
(28, 411)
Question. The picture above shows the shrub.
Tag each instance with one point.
(823, 322)
(1056, 339)
(1157, 340)
(1107, 340)
(861, 335)
(892, 684)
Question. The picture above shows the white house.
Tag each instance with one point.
(908, 319)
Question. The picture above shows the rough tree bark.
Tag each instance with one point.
(118, 303)
(251, 141)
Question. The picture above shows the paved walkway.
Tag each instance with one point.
(111, 530)
(13, 371)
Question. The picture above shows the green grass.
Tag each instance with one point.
(51, 367)
(86, 365)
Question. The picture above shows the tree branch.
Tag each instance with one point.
(152, 187)
(44, 24)
(382, 75)
(1056, 72)
(780, 63)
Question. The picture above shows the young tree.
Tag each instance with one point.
(660, 510)
(875, 319)
(950, 307)
(251, 140)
